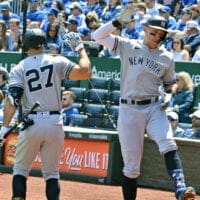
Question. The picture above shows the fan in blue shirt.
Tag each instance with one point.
(68, 98)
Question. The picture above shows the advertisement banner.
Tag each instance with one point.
(86, 157)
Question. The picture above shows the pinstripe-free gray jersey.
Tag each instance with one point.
(40, 77)
(143, 70)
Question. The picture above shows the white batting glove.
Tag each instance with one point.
(165, 98)
(3, 131)
(176, 108)
(74, 41)
(165, 101)
(126, 14)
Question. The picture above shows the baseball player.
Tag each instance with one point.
(38, 78)
(144, 68)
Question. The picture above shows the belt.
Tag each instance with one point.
(45, 112)
(139, 102)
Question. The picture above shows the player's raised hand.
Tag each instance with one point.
(127, 13)
(74, 41)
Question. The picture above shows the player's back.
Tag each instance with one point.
(40, 76)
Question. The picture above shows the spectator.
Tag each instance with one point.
(16, 34)
(182, 100)
(53, 48)
(165, 11)
(111, 11)
(92, 21)
(130, 30)
(185, 16)
(71, 25)
(194, 132)
(192, 37)
(179, 53)
(174, 121)
(46, 7)
(195, 10)
(62, 17)
(6, 14)
(140, 15)
(77, 13)
(6, 38)
(174, 5)
(57, 4)
(187, 3)
(33, 12)
(93, 6)
(68, 98)
(53, 37)
(51, 18)
(85, 34)
(196, 57)
(152, 7)
(68, 3)
(33, 24)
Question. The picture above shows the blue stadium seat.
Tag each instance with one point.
(66, 83)
(114, 97)
(98, 83)
(94, 110)
(78, 105)
(97, 96)
(78, 119)
(94, 122)
(113, 111)
(114, 84)
(79, 92)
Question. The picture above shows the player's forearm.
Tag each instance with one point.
(103, 35)
(9, 111)
(85, 64)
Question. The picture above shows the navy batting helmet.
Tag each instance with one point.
(34, 38)
(157, 22)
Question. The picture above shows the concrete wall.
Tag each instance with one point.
(153, 171)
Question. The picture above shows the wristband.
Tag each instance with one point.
(169, 91)
(116, 23)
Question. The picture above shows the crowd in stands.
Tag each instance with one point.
(58, 17)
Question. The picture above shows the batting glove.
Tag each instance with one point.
(127, 14)
(3, 131)
(74, 41)
(165, 100)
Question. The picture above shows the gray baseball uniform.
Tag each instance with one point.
(40, 77)
(143, 70)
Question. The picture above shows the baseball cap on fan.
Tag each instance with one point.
(4, 6)
(72, 21)
(165, 9)
(157, 22)
(185, 11)
(192, 24)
